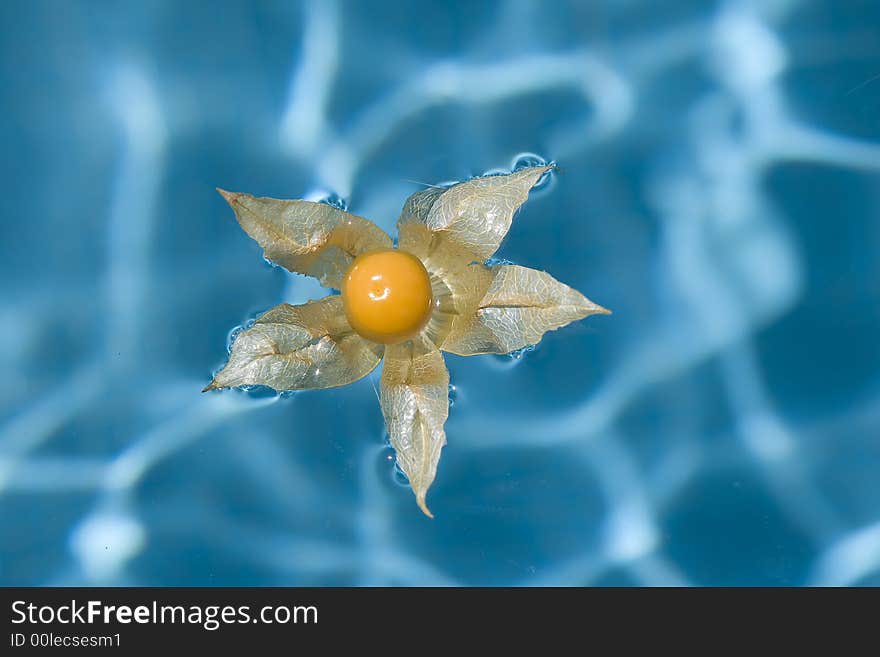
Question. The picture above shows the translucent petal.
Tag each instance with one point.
(415, 403)
(299, 348)
(315, 239)
(457, 225)
(503, 308)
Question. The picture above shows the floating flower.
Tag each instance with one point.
(432, 293)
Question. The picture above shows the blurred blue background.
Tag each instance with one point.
(719, 190)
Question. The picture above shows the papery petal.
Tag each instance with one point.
(415, 403)
(454, 226)
(299, 348)
(309, 238)
(507, 307)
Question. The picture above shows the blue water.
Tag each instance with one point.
(719, 168)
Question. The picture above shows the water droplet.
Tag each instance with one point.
(506, 361)
(249, 322)
(230, 338)
(520, 353)
(526, 160)
(399, 476)
(258, 392)
(491, 262)
(336, 201)
(453, 395)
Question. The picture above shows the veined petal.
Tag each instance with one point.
(315, 239)
(415, 403)
(299, 348)
(454, 226)
(507, 307)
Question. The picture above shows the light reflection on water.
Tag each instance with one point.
(716, 189)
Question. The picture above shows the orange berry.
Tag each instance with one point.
(387, 295)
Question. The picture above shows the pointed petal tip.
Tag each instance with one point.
(590, 307)
(540, 169)
(211, 386)
(534, 167)
(229, 197)
(420, 500)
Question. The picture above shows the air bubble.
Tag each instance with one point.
(453, 395)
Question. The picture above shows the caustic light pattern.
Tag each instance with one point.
(719, 194)
(433, 293)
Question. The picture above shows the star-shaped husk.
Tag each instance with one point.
(480, 309)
